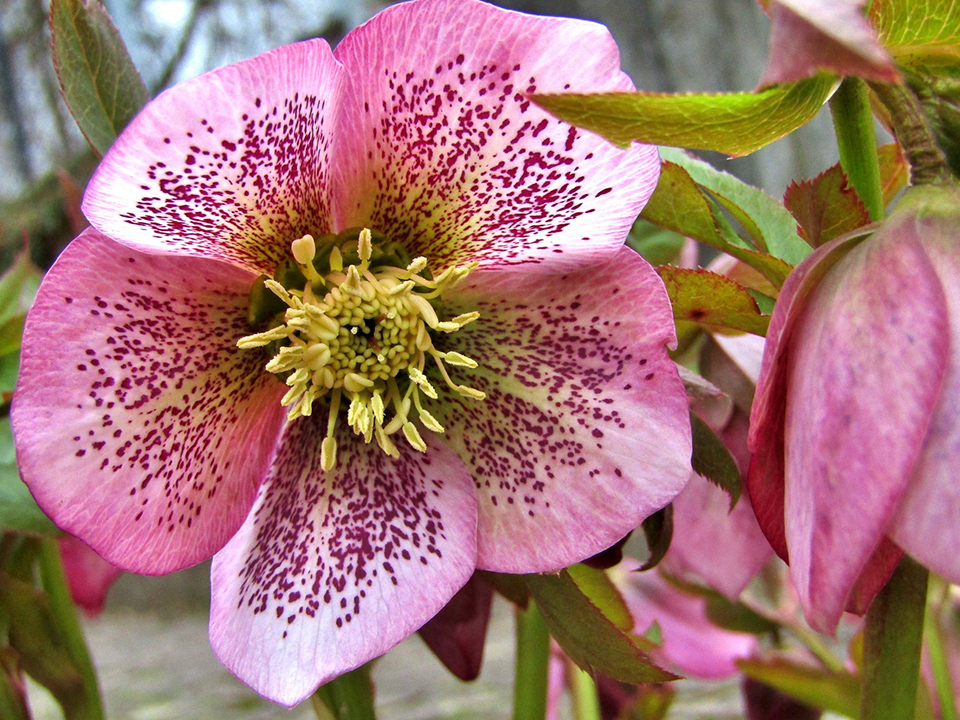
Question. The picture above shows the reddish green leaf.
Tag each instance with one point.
(588, 637)
(837, 692)
(919, 33)
(712, 300)
(828, 206)
(732, 123)
(98, 80)
(658, 531)
(678, 204)
(807, 36)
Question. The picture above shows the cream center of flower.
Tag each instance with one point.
(361, 336)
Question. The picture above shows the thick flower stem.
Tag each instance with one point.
(64, 613)
(857, 142)
(892, 640)
(348, 697)
(583, 691)
(928, 164)
(533, 662)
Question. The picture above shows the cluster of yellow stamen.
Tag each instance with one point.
(362, 336)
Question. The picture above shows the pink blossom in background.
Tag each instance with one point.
(89, 576)
(854, 428)
(338, 529)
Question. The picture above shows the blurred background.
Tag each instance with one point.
(150, 645)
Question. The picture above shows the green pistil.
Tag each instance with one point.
(359, 332)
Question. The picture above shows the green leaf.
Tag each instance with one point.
(588, 637)
(11, 333)
(837, 692)
(18, 286)
(658, 531)
(714, 301)
(731, 123)
(712, 460)
(601, 591)
(656, 245)
(18, 510)
(98, 79)
(769, 224)
(680, 205)
(919, 33)
(736, 617)
(825, 207)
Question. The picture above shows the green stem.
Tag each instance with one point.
(533, 662)
(857, 142)
(583, 692)
(938, 660)
(64, 612)
(348, 697)
(891, 648)
(928, 164)
(814, 644)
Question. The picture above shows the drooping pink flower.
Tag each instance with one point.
(692, 644)
(854, 429)
(472, 370)
(89, 576)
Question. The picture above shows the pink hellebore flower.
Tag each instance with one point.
(89, 576)
(479, 239)
(854, 428)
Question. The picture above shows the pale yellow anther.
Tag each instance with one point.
(426, 310)
(355, 383)
(421, 381)
(455, 358)
(376, 404)
(416, 265)
(328, 453)
(264, 338)
(365, 245)
(447, 326)
(304, 250)
(462, 320)
(403, 287)
(412, 435)
(336, 260)
(470, 392)
(352, 283)
(386, 444)
(429, 421)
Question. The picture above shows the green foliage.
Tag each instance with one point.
(712, 300)
(98, 80)
(732, 123)
(658, 531)
(837, 692)
(588, 635)
(712, 460)
(919, 33)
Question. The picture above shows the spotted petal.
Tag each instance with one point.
(874, 327)
(585, 429)
(442, 149)
(139, 426)
(232, 164)
(332, 570)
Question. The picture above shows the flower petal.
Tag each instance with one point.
(457, 633)
(89, 576)
(585, 429)
(139, 425)
(330, 571)
(692, 644)
(926, 523)
(722, 548)
(231, 165)
(443, 150)
(765, 479)
(866, 362)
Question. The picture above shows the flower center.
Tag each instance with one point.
(360, 333)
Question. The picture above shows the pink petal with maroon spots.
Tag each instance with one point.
(139, 426)
(585, 430)
(443, 150)
(89, 576)
(332, 570)
(875, 326)
(231, 165)
(926, 523)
